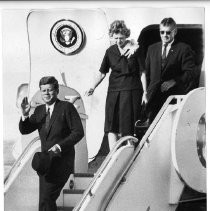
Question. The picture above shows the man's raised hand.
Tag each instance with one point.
(25, 107)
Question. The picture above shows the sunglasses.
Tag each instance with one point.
(167, 32)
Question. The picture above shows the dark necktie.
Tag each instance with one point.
(47, 122)
(164, 55)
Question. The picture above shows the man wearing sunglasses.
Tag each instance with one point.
(170, 67)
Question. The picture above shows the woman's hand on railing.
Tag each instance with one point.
(89, 92)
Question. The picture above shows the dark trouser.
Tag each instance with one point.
(155, 104)
(48, 194)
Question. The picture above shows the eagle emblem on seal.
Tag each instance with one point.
(67, 37)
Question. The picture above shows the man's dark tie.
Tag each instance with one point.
(163, 61)
(47, 122)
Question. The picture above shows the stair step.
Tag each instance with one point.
(95, 164)
(65, 208)
(71, 197)
(82, 180)
(68, 208)
(83, 175)
(77, 191)
(191, 195)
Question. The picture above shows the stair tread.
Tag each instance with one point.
(76, 191)
(83, 175)
(95, 164)
(68, 208)
(190, 194)
(65, 208)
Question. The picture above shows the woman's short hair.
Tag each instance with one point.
(49, 80)
(118, 26)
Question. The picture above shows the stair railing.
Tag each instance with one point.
(88, 192)
(143, 141)
(18, 162)
(125, 139)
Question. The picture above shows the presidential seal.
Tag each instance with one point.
(67, 37)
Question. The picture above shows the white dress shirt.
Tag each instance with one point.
(168, 47)
(51, 107)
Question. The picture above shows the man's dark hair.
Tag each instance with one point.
(168, 22)
(49, 80)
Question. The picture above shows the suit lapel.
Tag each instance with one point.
(159, 55)
(54, 115)
(42, 113)
(41, 119)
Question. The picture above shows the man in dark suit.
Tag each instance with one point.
(170, 68)
(59, 128)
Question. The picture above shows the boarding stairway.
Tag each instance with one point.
(151, 173)
(115, 180)
(105, 177)
(73, 195)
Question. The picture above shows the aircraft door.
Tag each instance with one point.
(70, 45)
